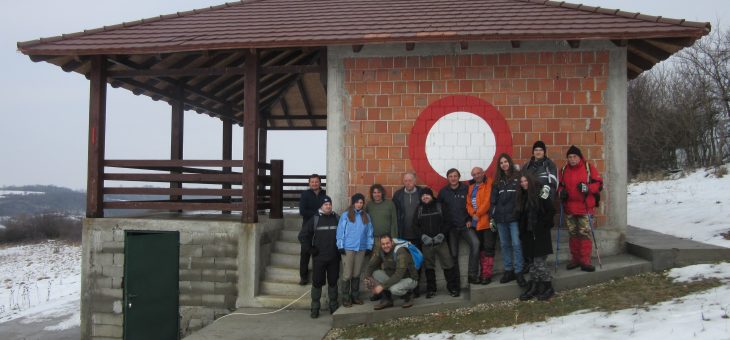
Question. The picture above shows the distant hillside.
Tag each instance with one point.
(34, 199)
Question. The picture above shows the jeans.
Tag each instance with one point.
(509, 240)
(470, 236)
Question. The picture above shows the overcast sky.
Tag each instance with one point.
(44, 112)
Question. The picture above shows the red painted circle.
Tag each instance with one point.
(440, 108)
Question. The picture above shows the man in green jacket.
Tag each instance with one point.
(392, 272)
(383, 215)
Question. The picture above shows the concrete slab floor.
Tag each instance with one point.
(286, 324)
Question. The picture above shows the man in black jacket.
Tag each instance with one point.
(309, 203)
(453, 197)
(319, 235)
(406, 200)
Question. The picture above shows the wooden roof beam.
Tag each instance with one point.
(305, 98)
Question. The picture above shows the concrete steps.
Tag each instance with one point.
(613, 267)
(280, 283)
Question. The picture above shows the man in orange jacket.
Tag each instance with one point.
(477, 205)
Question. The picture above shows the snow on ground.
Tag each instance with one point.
(703, 315)
(695, 207)
(19, 192)
(39, 282)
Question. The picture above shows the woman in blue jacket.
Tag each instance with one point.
(354, 238)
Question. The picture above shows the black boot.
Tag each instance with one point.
(345, 288)
(452, 282)
(332, 292)
(508, 276)
(530, 292)
(587, 268)
(430, 283)
(547, 291)
(316, 295)
(521, 280)
(408, 303)
(385, 302)
(376, 297)
(355, 291)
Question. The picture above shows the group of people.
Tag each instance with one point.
(515, 206)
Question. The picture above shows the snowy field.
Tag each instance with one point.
(702, 315)
(40, 282)
(695, 207)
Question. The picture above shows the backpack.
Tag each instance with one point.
(415, 252)
(596, 196)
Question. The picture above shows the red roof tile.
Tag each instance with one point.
(288, 23)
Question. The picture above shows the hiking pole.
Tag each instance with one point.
(557, 243)
(595, 241)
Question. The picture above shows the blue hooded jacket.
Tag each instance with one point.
(355, 236)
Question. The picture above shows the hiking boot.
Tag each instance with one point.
(455, 292)
(375, 297)
(332, 292)
(430, 294)
(587, 268)
(530, 291)
(408, 303)
(521, 280)
(385, 302)
(355, 291)
(474, 280)
(572, 265)
(345, 286)
(485, 281)
(316, 295)
(508, 276)
(303, 282)
(547, 291)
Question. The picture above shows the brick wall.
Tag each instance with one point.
(557, 97)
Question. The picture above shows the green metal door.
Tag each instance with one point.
(151, 285)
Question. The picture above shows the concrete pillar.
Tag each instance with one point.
(616, 148)
(338, 102)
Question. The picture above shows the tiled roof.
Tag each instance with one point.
(289, 23)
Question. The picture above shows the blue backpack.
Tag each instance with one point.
(415, 252)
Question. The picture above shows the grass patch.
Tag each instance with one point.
(638, 291)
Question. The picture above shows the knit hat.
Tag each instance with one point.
(539, 144)
(573, 150)
(357, 197)
(325, 199)
(427, 191)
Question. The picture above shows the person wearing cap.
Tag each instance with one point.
(453, 198)
(320, 235)
(354, 238)
(429, 223)
(478, 200)
(309, 203)
(543, 169)
(578, 191)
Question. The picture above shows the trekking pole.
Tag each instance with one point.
(595, 241)
(557, 243)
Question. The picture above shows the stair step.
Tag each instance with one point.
(290, 236)
(290, 248)
(292, 222)
(286, 261)
(278, 274)
(282, 288)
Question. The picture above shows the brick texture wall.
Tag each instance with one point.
(557, 97)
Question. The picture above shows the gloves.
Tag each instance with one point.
(545, 192)
(426, 240)
(582, 187)
(342, 251)
(563, 195)
(371, 282)
(438, 239)
(493, 225)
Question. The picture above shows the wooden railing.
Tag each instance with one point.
(180, 174)
(293, 187)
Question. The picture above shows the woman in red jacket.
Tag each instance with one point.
(580, 182)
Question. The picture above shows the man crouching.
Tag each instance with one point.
(392, 272)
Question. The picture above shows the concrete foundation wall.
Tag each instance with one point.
(208, 271)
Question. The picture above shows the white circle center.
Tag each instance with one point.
(460, 140)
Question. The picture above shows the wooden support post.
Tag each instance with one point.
(277, 189)
(176, 135)
(250, 137)
(97, 129)
(227, 154)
